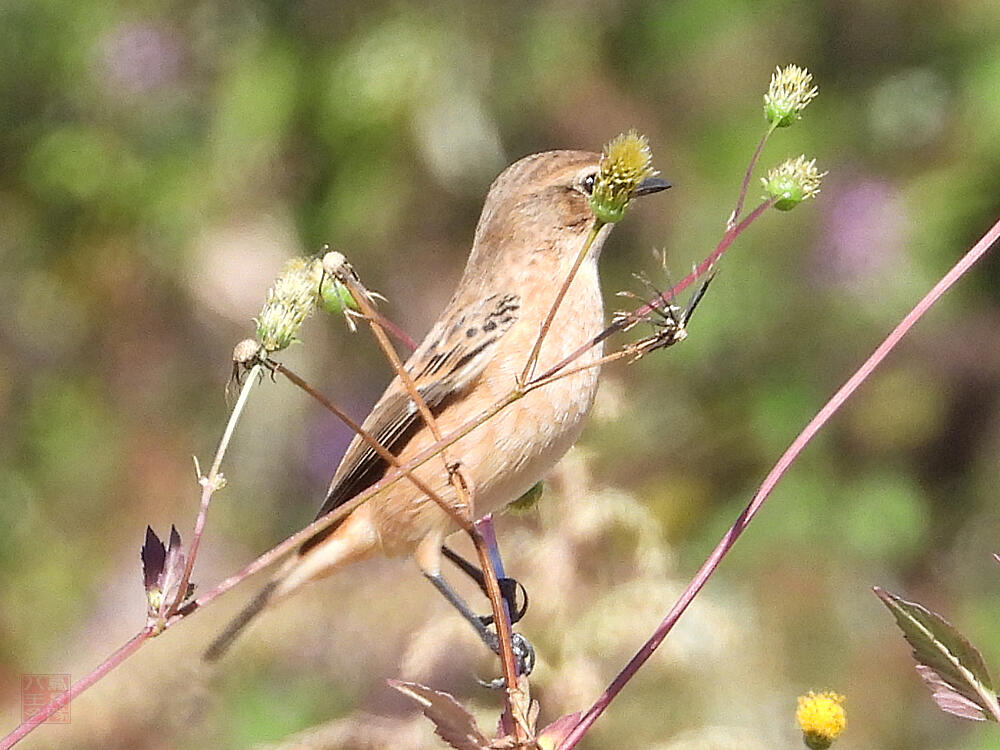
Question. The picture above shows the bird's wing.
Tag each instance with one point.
(450, 359)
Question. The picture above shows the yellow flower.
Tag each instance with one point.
(822, 718)
(625, 163)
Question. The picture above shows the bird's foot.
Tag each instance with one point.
(524, 657)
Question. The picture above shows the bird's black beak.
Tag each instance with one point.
(651, 185)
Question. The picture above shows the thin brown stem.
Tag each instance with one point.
(548, 379)
(529, 366)
(369, 439)
(368, 310)
(460, 485)
(395, 330)
(209, 485)
(639, 313)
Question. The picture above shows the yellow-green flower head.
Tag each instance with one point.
(788, 95)
(793, 182)
(625, 163)
(289, 303)
(821, 718)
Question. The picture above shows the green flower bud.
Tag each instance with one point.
(334, 296)
(793, 182)
(788, 95)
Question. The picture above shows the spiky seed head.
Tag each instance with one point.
(625, 163)
(792, 182)
(788, 95)
(289, 302)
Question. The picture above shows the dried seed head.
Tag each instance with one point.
(245, 351)
(625, 163)
(788, 95)
(792, 182)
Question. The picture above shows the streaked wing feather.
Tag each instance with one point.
(449, 360)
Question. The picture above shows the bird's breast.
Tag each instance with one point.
(523, 442)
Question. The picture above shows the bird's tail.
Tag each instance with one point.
(353, 540)
(225, 639)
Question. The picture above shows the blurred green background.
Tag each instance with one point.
(160, 161)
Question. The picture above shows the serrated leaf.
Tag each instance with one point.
(947, 698)
(453, 724)
(951, 666)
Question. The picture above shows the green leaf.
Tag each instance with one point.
(952, 667)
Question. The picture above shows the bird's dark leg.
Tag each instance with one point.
(508, 587)
(524, 653)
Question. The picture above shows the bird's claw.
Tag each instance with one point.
(524, 658)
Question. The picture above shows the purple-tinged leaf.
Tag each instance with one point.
(553, 735)
(947, 698)
(153, 556)
(162, 570)
(173, 569)
(944, 652)
(453, 724)
(175, 539)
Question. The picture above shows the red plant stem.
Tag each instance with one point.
(26, 727)
(746, 176)
(395, 330)
(800, 442)
(619, 325)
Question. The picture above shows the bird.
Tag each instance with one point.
(534, 223)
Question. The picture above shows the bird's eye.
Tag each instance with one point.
(588, 183)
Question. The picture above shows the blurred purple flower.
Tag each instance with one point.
(139, 57)
(863, 230)
(329, 437)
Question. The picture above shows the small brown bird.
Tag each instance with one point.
(533, 226)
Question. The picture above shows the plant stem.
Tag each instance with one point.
(621, 324)
(782, 465)
(36, 719)
(208, 486)
(746, 177)
(369, 439)
(464, 497)
(529, 366)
